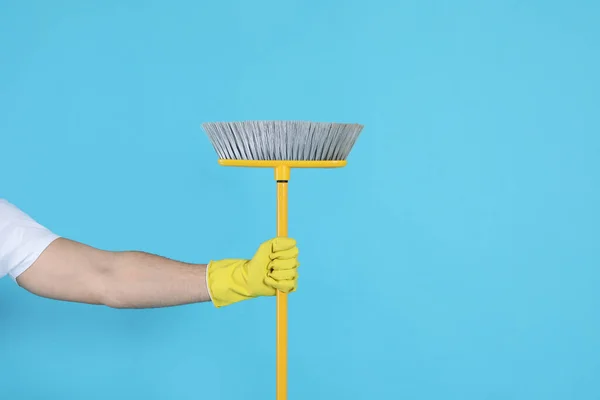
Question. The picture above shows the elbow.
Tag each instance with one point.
(111, 291)
(115, 304)
(113, 299)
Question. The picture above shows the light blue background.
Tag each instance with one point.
(456, 257)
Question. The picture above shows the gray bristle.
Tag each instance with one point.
(282, 140)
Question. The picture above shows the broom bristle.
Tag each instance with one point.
(282, 140)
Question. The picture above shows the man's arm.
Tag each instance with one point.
(62, 269)
(71, 271)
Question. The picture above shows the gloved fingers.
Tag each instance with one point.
(283, 264)
(284, 274)
(282, 243)
(285, 286)
(285, 254)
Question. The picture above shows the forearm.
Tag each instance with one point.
(142, 280)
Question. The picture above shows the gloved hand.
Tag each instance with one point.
(273, 267)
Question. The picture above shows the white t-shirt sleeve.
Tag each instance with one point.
(22, 240)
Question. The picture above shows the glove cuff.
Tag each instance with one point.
(226, 282)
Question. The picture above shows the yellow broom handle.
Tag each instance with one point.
(282, 174)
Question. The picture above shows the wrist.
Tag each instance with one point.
(226, 282)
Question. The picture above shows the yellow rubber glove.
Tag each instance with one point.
(273, 267)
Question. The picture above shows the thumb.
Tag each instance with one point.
(264, 251)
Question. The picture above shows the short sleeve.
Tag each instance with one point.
(22, 240)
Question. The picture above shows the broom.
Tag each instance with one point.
(282, 145)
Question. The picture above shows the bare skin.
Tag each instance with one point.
(72, 271)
